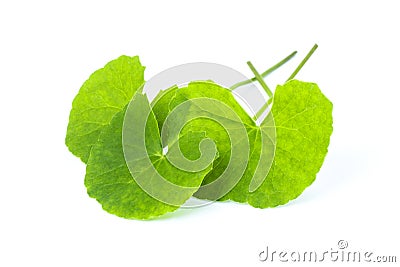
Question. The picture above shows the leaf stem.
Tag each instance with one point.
(260, 79)
(262, 109)
(303, 62)
(265, 73)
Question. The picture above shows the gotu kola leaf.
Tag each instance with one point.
(260, 138)
(213, 184)
(117, 181)
(103, 95)
(302, 118)
(128, 173)
(303, 121)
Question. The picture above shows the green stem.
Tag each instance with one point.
(265, 73)
(262, 109)
(303, 62)
(260, 79)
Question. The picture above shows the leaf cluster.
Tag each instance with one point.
(216, 150)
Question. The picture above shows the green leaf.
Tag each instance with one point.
(123, 172)
(229, 165)
(103, 95)
(173, 97)
(303, 121)
(292, 141)
(263, 143)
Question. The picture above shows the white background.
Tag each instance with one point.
(49, 48)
